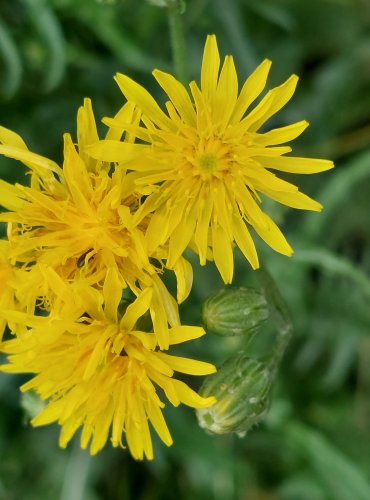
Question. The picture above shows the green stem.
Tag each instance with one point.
(177, 40)
(280, 316)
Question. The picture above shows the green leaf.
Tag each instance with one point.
(12, 74)
(334, 264)
(337, 191)
(49, 28)
(342, 478)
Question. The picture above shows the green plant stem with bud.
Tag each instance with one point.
(279, 315)
(175, 9)
(243, 384)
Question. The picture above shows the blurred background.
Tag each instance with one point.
(314, 443)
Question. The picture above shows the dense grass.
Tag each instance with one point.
(314, 442)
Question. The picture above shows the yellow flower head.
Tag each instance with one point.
(20, 290)
(208, 162)
(7, 282)
(78, 220)
(97, 371)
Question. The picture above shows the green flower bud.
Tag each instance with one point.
(242, 387)
(235, 311)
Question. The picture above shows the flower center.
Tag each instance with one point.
(208, 163)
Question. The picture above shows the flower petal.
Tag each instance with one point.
(272, 235)
(296, 165)
(182, 333)
(178, 95)
(282, 134)
(137, 309)
(141, 97)
(251, 89)
(210, 68)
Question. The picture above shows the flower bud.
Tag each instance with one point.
(235, 311)
(242, 387)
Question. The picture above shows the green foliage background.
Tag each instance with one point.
(314, 443)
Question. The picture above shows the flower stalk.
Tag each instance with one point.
(175, 10)
(243, 384)
(279, 315)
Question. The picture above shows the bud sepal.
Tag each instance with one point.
(242, 387)
(235, 311)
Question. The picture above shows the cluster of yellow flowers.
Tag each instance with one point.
(84, 237)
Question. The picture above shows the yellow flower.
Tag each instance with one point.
(7, 291)
(20, 290)
(78, 220)
(97, 371)
(208, 161)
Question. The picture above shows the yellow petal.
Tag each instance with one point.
(112, 292)
(118, 421)
(203, 108)
(226, 94)
(48, 415)
(114, 151)
(184, 278)
(134, 438)
(222, 207)
(10, 196)
(76, 175)
(164, 297)
(68, 430)
(157, 363)
(186, 365)
(273, 101)
(156, 417)
(96, 357)
(248, 205)
(262, 179)
(222, 252)
(129, 115)
(158, 228)
(210, 68)
(140, 422)
(251, 89)
(32, 160)
(272, 235)
(282, 134)
(137, 309)
(102, 427)
(147, 339)
(10, 138)
(294, 199)
(182, 235)
(86, 131)
(158, 314)
(205, 208)
(190, 397)
(178, 95)
(244, 241)
(253, 152)
(167, 384)
(182, 333)
(296, 165)
(56, 283)
(141, 97)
